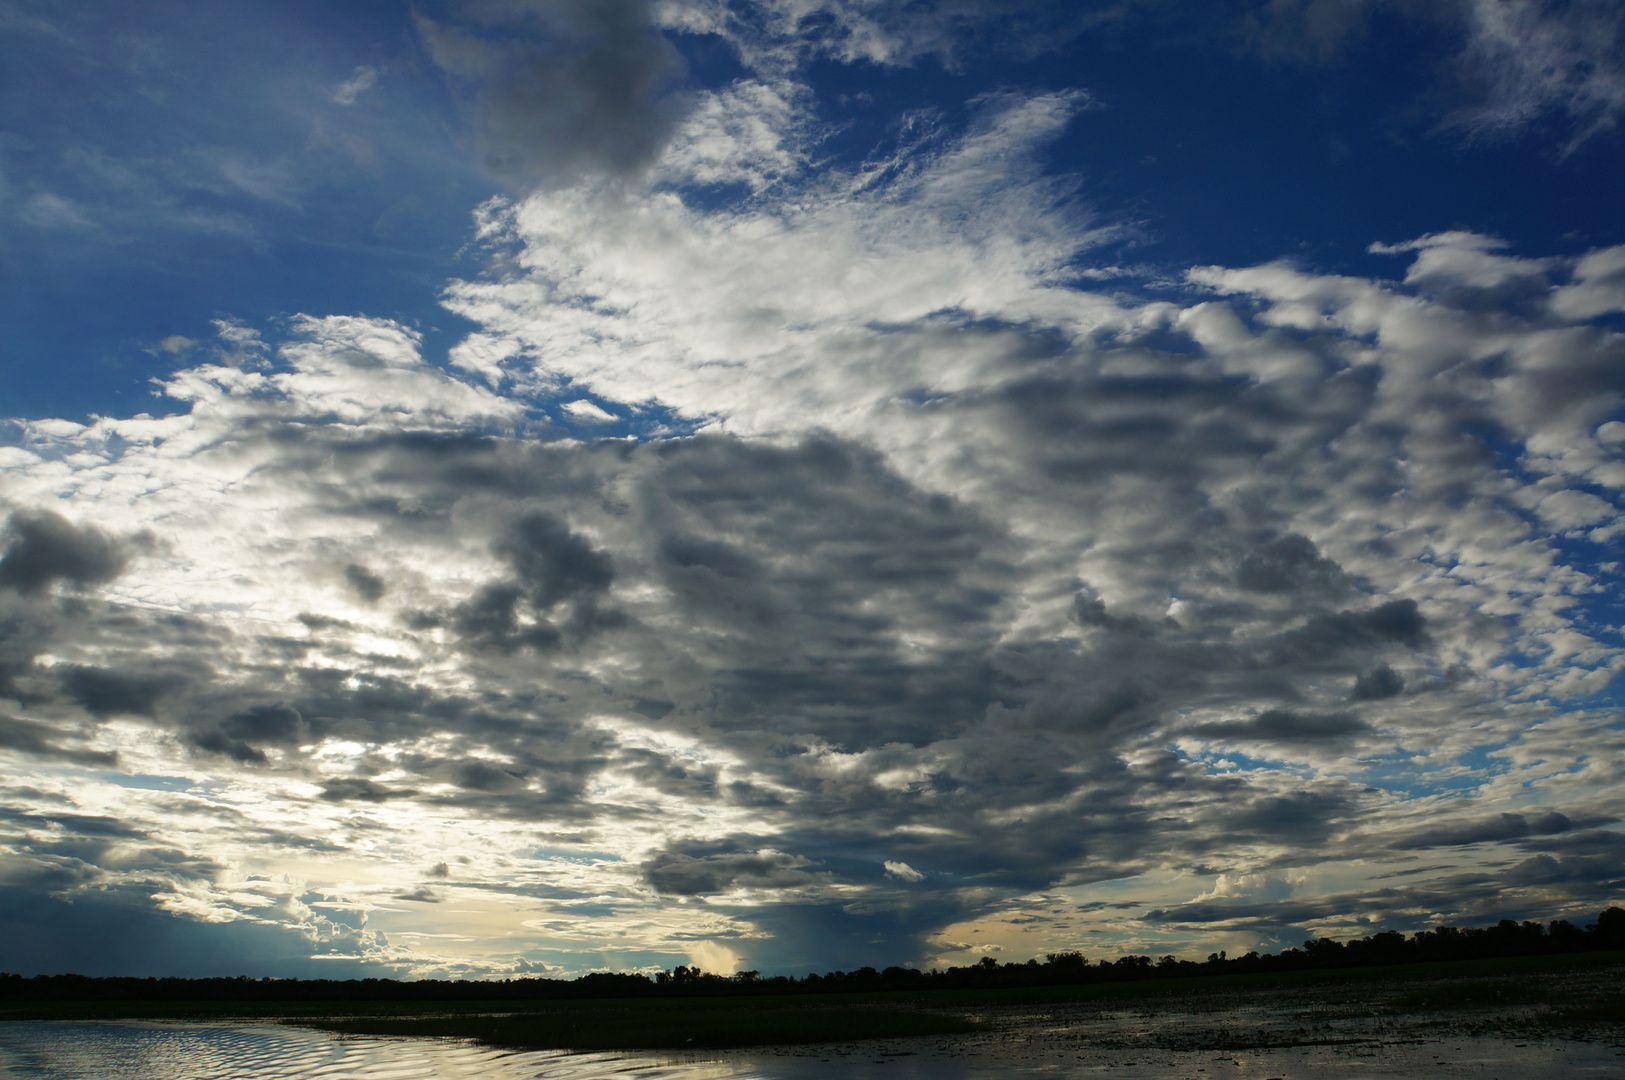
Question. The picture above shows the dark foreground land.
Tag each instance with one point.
(1577, 996)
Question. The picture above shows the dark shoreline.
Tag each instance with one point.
(1573, 996)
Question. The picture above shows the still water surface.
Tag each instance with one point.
(223, 1051)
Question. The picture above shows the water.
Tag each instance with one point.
(97, 1050)
(223, 1051)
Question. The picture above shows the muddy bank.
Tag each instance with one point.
(1529, 1025)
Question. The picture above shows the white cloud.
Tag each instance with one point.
(586, 410)
(346, 92)
(174, 345)
(1463, 259)
(713, 957)
(1598, 287)
(1251, 887)
(1535, 57)
(48, 211)
(801, 296)
(902, 871)
(750, 133)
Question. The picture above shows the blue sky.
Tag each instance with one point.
(529, 486)
(187, 164)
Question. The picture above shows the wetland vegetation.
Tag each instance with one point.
(1545, 983)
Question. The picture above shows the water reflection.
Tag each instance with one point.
(156, 1051)
(220, 1051)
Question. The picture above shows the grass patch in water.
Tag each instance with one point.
(1601, 1010)
(1481, 993)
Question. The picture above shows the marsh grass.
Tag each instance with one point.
(1602, 1010)
(1476, 994)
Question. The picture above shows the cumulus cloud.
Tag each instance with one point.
(1598, 287)
(43, 548)
(939, 559)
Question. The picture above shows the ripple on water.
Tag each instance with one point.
(155, 1051)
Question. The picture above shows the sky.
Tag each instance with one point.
(526, 487)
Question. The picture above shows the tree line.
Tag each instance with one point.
(1505, 938)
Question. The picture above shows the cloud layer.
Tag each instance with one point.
(940, 591)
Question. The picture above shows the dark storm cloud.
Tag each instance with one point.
(218, 742)
(1581, 841)
(277, 723)
(1380, 682)
(104, 692)
(367, 585)
(827, 937)
(677, 874)
(1297, 818)
(1290, 564)
(78, 826)
(1488, 830)
(1331, 636)
(99, 934)
(44, 548)
(483, 776)
(1536, 887)
(552, 567)
(43, 741)
(553, 563)
(24, 631)
(344, 788)
(1281, 726)
(859, 559)
(1091, 611)
(490, 619)
(563, 87)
